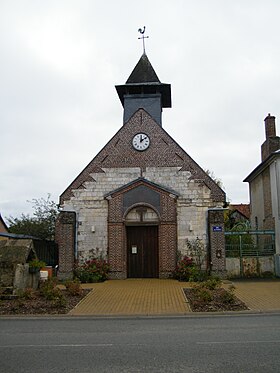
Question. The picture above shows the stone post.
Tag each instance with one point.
(216, 229)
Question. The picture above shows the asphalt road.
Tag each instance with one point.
(232, 344)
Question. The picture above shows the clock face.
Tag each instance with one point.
(141, 141)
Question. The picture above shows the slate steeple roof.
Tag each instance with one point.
(143, 72)
(144, 80)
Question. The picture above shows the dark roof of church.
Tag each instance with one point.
(143, 72)
(144, 79)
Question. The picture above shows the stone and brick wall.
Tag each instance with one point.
(166, 210)
(190, 217)
(163, 152)
(217, 241)
(101, 221)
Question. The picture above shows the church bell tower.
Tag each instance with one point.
(144, 90)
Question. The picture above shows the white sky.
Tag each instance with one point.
(60, 62)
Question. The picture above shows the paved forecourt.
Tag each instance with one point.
(166, 297)
(134, 297)
(259, 295)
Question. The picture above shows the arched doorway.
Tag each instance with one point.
(142, 204)
(142, 243)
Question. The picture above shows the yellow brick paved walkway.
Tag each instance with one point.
(134, 297)
(166, 297)
(259, 295)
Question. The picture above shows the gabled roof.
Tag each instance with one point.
(165, 152)
(142, 180)
(143, 72)
(17, 251)
(243, 209)
(262, 166)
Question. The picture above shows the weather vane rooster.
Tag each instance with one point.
(143, 37)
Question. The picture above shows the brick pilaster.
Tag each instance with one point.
(65, 237)
(217, 241)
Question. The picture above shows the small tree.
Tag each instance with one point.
(196, 250)
(41, 224)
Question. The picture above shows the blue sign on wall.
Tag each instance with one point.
(217, 228)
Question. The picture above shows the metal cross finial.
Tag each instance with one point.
(143, 37)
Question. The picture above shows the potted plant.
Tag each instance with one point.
(35, 265)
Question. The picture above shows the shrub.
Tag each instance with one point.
(92, 270)
(203, 294)
(184, 269)
(187, 270)
(73, 287)
(49, 290)
(59, 301)
(212, 283)
(228, 297)
(204, 289)
(27, 293)
(197, 275)
(35, 263)
(196, 249)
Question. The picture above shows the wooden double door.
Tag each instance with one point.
(142, 251)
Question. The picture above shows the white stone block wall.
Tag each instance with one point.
(92, 209)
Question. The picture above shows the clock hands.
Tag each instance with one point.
(142, 139)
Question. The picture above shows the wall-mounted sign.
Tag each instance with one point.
(134, 250)
(217, 228)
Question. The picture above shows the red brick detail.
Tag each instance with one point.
(115, 209)
(272, 142)
(217, 241)
(270, 129)
(167, 249)
(117, 251)
(163, 152)
(65, 238)
(168, 208)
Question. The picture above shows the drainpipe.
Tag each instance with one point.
(76, 237)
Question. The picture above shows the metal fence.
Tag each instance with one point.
(250, 244)
(47, 251)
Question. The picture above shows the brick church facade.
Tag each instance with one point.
(142, 196)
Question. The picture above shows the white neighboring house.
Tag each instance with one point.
(264, 185)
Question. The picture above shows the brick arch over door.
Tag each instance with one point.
(164, 202)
